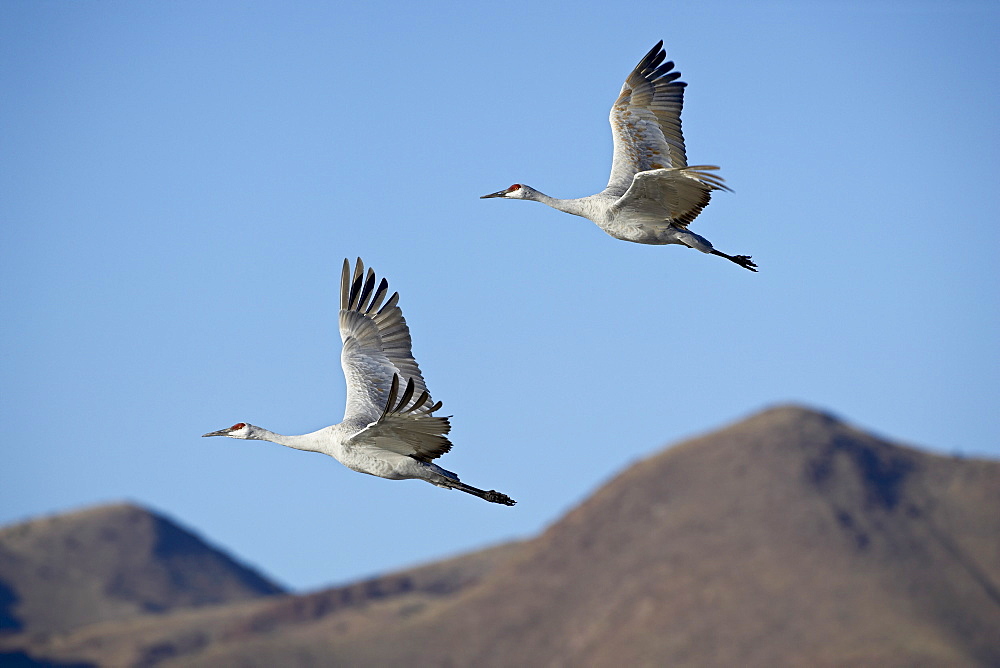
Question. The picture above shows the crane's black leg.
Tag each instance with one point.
(742, 260)
(492, 495)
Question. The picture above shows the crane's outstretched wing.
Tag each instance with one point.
(669, 196)
(646, 121)
(406, 425)
(376, 343)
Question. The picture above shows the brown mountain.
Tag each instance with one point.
(111, 562)
(787, 539)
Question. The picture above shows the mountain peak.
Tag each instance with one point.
(111, 561)
(787, 538)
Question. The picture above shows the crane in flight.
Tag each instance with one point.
(652, 195)
(389, 428)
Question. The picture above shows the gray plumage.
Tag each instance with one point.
(652, 194)
(385, 432)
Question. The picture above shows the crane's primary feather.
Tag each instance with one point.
(377, 354)
(646, 121)
(376, 343)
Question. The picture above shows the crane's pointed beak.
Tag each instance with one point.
(499, 193)
(221, 432)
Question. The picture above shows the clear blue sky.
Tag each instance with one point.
(182, 180)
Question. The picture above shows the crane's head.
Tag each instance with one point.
(516, 191)
(238, 430)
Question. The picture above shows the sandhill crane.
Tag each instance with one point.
(652, 194)
(385, 433)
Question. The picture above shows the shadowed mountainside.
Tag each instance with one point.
(790, 538)
(111, 562)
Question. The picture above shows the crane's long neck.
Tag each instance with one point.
(305, 442)
(577, 207)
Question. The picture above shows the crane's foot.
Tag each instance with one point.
(742, 260)
(494, 496)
